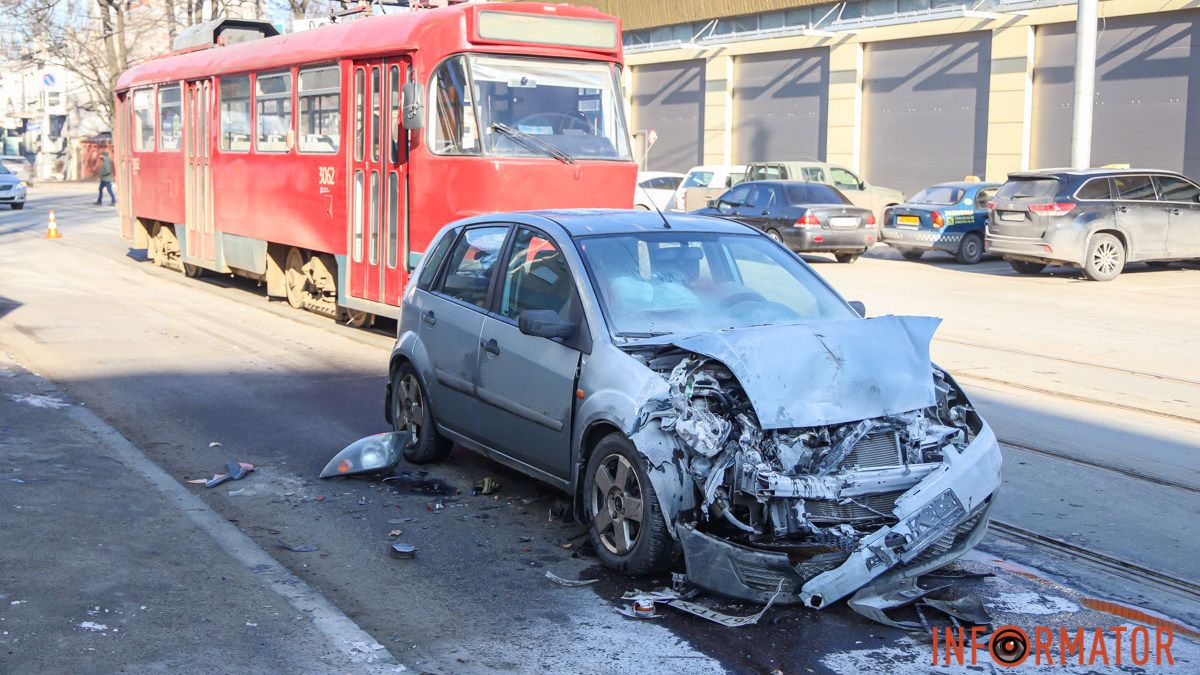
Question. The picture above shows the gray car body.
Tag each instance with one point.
(1148, 229)
(618, 391)
(12, 189)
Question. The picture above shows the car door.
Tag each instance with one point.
(851, 186)
(527, 383)
(1138, 212)
(756, 212)
(730, 203)
(452, 322)
(1182, 198)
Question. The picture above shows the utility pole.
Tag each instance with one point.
(1085, 84)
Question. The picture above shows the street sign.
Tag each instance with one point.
(48, 80)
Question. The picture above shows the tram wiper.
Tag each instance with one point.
(531, 141)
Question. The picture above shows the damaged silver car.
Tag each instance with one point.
(701, 392)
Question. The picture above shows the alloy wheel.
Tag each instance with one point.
(409, 411)
(1105, 258)
(616, 504)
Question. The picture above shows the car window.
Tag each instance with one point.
(797, 194)
(537, 277)
(843, 178)
(1096, 188)
(938, 195)
(1028, 188)
(433, 260)
(766, 172)
(1177, 189)
(734, 178)
(1135, 188)
(759, 197)
(983, 197)
(736, 196)
(698, 179)
(471, 263)
(812, 173)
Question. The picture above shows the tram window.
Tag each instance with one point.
(170, 119)
(359, 122)
(273, 101)
(376, 112)
(393, 123)
(320, 109)
(373, 219)
(143, 120)
(393, 208)
(235, 113)
(357, 220)
(453, 130)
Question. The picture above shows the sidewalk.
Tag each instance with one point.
(107, 564)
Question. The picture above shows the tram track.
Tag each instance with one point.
(1123, 471)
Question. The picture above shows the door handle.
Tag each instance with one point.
(491, 346)
(1121, 209)
(428, 317)
(1174, 212)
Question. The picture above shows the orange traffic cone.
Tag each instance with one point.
(52, 228)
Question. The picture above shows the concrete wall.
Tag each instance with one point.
(1002, 104)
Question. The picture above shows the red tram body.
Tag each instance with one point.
(285, 159)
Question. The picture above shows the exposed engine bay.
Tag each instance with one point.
(788, 504)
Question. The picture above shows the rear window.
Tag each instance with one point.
(1028, 188)
(1135, 188)
(815, 193)
(697, 179)
(938, 196)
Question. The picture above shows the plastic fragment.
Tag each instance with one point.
(569, 583)
(297, 548)
(404, 551)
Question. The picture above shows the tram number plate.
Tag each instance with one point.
(325, 175)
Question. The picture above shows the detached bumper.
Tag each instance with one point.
(941, 518)
(803, 239)
(921, 240)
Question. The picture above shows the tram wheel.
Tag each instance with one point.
(296, 281)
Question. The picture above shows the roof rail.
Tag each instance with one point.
(222, 32)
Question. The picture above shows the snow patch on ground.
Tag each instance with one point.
(39, 401)
(1030, 602)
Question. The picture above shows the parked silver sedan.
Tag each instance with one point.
(12, 189)
(701, 393)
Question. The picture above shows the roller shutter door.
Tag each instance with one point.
(925, 110)
(780, 106)
(669, 98)
(1147, 110)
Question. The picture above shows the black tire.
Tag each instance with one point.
(1022, 267)
(652, 548)
(1159, 264)
(774, 234)
(912, 254)
(17, 206)
(970, 249)
(846, 258)
(294, 279)
(430, 446)
(1105, 258)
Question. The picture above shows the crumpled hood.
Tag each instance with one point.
(828, 372)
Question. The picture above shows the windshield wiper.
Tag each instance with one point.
(636, 334)
(531, 141)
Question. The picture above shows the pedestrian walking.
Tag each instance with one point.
(106, 176)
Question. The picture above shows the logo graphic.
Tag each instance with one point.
(1009, 646)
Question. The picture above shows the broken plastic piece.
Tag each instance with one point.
(367, 455)
(967, 608)
(214, 444)
(629, 611)
(297, 548)
(488, 485)
(569, 583)
(871, 601)
(402, 550)
(395, 533)
(233, 471)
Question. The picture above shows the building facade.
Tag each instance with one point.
(905, 92)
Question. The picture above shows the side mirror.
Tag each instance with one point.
(859, 307)
(544, 323)
(713, 204)
(862, 185)
(1197, 199)
(413, 104)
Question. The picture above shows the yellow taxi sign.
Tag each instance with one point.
(971, 179)
(1118, 165)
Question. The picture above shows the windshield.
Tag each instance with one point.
(4, 170)
(938, 196)
(698, 179)
(658, 283)
(573, 106)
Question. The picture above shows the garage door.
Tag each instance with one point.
(780, 106)
(669, 98)
(1147, 109)
(925, 110)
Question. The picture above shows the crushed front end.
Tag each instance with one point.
(823, 510)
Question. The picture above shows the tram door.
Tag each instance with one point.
(201, 240)
(378, 237)
(121, 159)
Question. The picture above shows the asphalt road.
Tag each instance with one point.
(1097, 384)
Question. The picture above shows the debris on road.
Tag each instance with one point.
(395, 533)
(486, 486)
(682, 601)
(635, 612)
(872, 601)
(404, 551)
(214, 444)
(297, 548)
(39, 401)
(418, 484)
(372, 454)
(569, 583)
(233, 471)
(93, 626)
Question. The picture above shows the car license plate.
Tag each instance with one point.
(843, 221)
(1016, 216)
(911, 221)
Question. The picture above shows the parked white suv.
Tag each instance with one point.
(704, 183)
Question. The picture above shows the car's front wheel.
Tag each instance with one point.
(412, 417)
(1022, 267)
(846, 257)
(625, 524)
(1105, 258)
(17, 206)
(970, 249)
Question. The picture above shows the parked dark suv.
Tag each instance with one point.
(1094, 219)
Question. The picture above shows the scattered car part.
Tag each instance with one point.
(404, 551)
(681, 601)
(968, 608)
(569, 583)
(233, 471)
(367, 455)
(297, 548)
(488, 485)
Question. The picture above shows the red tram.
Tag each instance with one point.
(323, 162)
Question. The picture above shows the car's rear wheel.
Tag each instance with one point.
(412, 416)
(625, 524)
(1105, 258)
(846, 257)
(912, 254)
(774, 234)
(970, 249)
(1022, 267)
